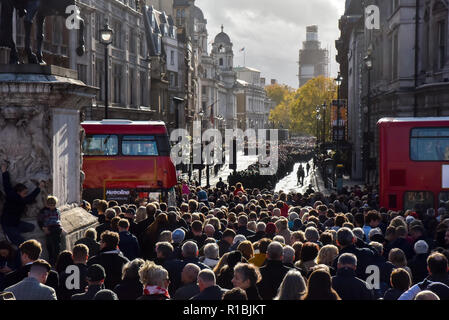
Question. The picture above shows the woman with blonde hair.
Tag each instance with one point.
(246, 248)
(155, 281)
(327, 255)
(141, 214)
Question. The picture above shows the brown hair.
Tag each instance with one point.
(400, 279)
(32, 248)
(111, 239)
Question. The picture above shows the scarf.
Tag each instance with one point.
(155, 290)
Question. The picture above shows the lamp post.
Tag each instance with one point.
(367, 141)
(106, 39)
(200, 171)
(338, 81)
(324, 123)
(318, 117)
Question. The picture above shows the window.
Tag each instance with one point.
(117, 36)
(99, 78)
(100, 145)
(139, 146)
(429, 144)
(221, 61)
(172, 57)
(132, 42)
(395, 57)
(117, 71)
(132, 76)
(82, 72)
(143, 85)
(418, 200)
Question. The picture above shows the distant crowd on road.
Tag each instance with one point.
(233, 243)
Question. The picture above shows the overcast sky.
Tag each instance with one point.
(272, 31)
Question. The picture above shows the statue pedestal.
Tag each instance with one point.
(40, 138)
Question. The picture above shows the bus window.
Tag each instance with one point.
(443, 198)
(139, 146)
(418, 199)
(429, 144)
(100, 145)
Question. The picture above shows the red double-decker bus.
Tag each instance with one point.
(413, 162)
(125, 160)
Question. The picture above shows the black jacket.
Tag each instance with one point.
(223, 247)
(418, 265)
(64, 293)
(186, 292)
(385, 268)
(225, 277)
(212, 293)
(257, 236)
(365, 257)
(349, 287)
(129, 245)
(393, 294)
(402, 244)
(21, 273)
(112, 261)
(273, 272)
(243, 230)
(94, 246)
(253, 293)
(15, 205)
(89, 294)
(102, 228)
(129, 289)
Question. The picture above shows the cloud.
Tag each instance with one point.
(272, 31)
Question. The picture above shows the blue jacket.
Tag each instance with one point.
(129, 245)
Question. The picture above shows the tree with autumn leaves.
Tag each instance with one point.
(296, 110)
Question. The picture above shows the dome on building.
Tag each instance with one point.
(222, 37)
(197, 13)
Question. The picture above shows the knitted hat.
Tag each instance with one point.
(96, 273)
(178, 236)
(421, 247)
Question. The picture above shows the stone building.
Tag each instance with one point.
(409, 76)
(313, 60)
(253, 105)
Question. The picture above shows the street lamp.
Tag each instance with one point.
(106, 35)
(324, 123)
(318, 117)
(338, 81)
(367, 141)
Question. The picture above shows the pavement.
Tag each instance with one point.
(290, 182)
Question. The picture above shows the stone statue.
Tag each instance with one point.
(38, 10)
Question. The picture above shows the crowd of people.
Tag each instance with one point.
(234, 243)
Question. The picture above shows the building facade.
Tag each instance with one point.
(399, 70)
(313, 60)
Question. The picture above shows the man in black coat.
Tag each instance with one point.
(242, 226)
(128, 244)
(111, 259)
(189, 278)
(347, 285)
(30, 251)
(16, 200)
(272, 272)
(80, 255)
(226, 241)
(365, 256)
(95, 280)
(208, 288)
(418, 264)
(385, 268)
(106, 225)
(260, 233)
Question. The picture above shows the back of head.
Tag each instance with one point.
(130, 270)
(437, 264)
(421, 247)
(288, 254)
(91, 233)
(165, 249)
(292, 287)
(32, 248)
(152, 274)
(105, 294)
(110, 239)
(207, 277)
(235, 294)
(39, 268)
(400, 279)
(312, 234)
(189, 249)
(275, 251)
(345, 237)
(211, 251)
(347, 260)
(426, 295)
(191, 271)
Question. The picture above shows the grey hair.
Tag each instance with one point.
(288, 254)
(207, 275)
(189, 249)
(131, 269)
(359, 233)
(292, 287)
(211, 251)
(261, 226)
(312, 234)
(152, 274)
(279, 239)
(347, 259)
(275, 251)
